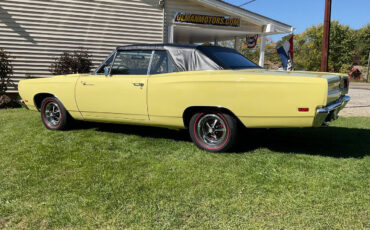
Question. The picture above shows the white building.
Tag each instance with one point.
(35, 32)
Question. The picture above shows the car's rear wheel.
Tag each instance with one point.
(213, 131)
(53, 114)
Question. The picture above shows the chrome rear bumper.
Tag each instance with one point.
(330, 112)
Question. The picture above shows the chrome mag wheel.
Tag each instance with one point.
(212, 130)
(52, 113)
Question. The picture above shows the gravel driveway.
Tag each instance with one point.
(360, 101)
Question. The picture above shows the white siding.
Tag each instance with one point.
(34, 32)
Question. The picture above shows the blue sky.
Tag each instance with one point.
(302, 14)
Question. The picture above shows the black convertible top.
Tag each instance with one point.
(157, 46)
(193, 57)
(185, 56)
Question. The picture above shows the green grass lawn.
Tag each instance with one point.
(127, 177)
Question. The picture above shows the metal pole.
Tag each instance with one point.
(262, 51)
(368, 67)
(326, 37)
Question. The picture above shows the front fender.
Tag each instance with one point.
(62, 87)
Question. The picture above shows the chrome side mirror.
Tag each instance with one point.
(106, 70)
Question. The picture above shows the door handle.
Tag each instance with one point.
(138, 84)
(85, 83)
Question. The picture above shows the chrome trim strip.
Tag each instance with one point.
(150, 63)
(111, 65)
(331, 78)
(336, 91)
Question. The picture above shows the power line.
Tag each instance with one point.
(247, 3)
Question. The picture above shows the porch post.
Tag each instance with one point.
(236, 43)
(170, 34)
(262, 51)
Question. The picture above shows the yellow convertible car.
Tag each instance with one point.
(212, 91)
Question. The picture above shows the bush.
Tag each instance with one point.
(6, 71)
(345, 68)
(78, 61)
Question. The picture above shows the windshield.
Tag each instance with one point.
(228, 58)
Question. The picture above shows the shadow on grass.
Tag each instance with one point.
(142, 131)
(331, 141)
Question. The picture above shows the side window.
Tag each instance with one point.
(131, 63)
(162, 63)
(107, 63)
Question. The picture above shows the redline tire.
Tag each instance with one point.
(213, 131)
(53, 114)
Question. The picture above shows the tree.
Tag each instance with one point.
(6, 71)
(307, 48)
(77, 61)
(363, 44)
(271, 57)
(342, 46)
(251, 53)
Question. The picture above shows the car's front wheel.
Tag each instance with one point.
(53, 114)
(213, 131)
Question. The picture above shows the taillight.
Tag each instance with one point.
(346, 83)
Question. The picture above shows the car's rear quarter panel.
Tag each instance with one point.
(257, 99)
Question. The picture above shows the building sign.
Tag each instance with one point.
(207, 19)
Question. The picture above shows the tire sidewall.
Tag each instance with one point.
(230, 140)
(63, 118)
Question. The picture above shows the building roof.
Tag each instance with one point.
(271, 26)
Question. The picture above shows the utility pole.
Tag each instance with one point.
(368, 67)
(326, 37)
